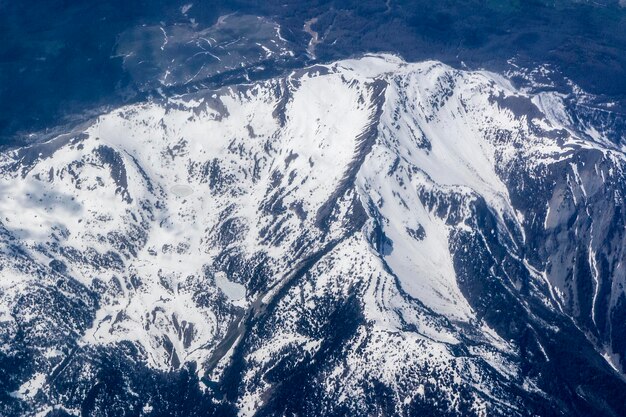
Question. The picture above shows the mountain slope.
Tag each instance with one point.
(364, 237)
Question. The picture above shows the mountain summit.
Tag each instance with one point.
(367, 237)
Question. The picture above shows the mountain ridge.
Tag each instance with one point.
(395, 238)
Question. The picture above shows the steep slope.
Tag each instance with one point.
(365, 237)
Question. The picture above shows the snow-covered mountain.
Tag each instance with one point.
(368, 237)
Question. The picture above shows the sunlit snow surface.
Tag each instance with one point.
(181, 213)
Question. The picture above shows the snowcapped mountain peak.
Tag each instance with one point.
(406, 217)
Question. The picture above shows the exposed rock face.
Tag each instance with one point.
(369, 237)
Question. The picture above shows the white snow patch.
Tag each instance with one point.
(232, 290)
(29, 388)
